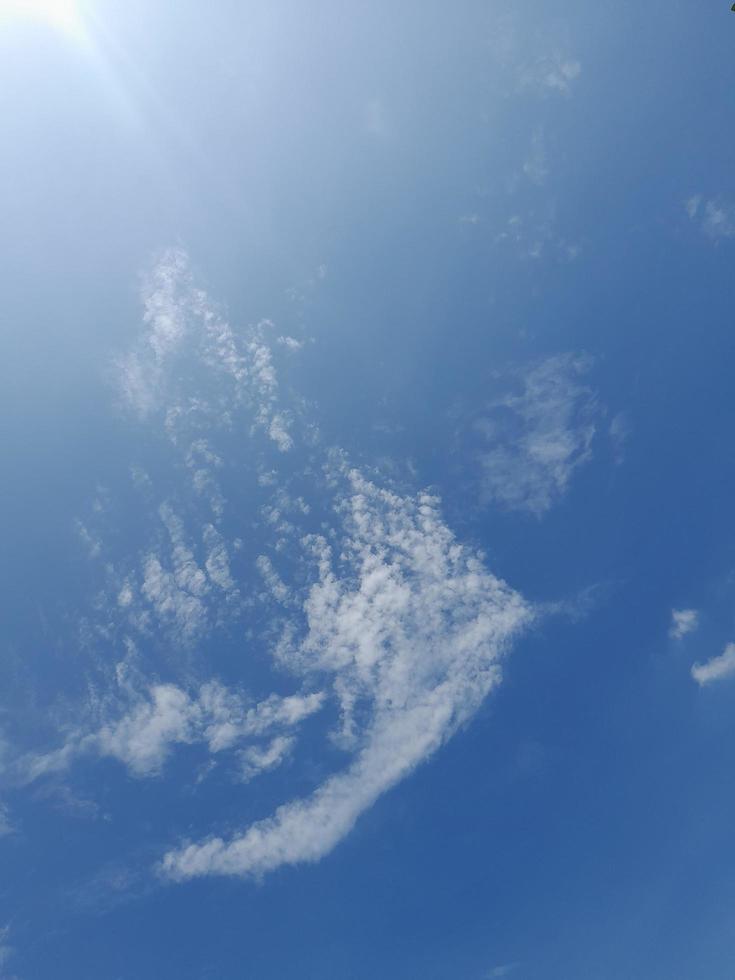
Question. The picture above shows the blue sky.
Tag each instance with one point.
(368, 560)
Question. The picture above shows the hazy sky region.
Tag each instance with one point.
(368, 554)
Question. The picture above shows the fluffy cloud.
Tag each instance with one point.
(683, 621)
(412, 627)
(535, 441)
(716, 669)
(256, 760)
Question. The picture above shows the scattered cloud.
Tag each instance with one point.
(412, 627)
(90, 542)
(534, 236)
(186, 336)
(533, 442)
(716, 669)
(683, 621)
(376, 608)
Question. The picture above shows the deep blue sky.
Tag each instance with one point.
(368, 560)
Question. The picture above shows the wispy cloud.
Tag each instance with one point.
(550, 74)
(6, 951)
(412, 627)
(185, 334)
(6, 824)
(620, 430)
(716, 669)
(683, 621)
(165, 716)
(536, 165)
(504, 970)
(364, 596)
(715, 217)
(256, 759)
(534, 441)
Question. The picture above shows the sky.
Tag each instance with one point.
(368, 555)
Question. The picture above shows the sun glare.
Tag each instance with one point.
(62, 14)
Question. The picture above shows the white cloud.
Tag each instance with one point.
(683, 621)
(217, 562)
(387, 614)
(276, 586)
(177, 587)
(412, 627)
(716, 669)
(256, 760)
(143, 739)
(290, 343)
(504, 970)
(692, 205)
(90, 541)
(278, 427)
(185, 612)
(165, 715)
(715, 218)
(186, 336)
(536, 440)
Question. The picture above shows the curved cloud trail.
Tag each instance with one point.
(412, 626)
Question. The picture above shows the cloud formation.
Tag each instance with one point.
(714, 217)
(716, 669)
(412, 628)
(362, 596)
(165, 716)
(683, 621)
(185, 336)
(534, 441)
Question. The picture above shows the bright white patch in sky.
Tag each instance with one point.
(716, 669)
(683, 621)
